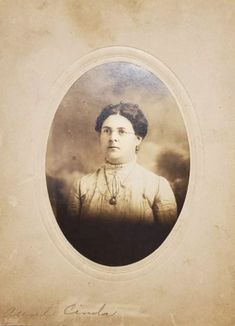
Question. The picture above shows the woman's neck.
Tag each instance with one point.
(111, 166)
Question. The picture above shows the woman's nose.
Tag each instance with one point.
(113, 135)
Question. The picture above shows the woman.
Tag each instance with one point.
(123, 211)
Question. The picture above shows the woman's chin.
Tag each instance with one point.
(118, 160)
(113, 161)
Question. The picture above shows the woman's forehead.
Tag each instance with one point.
(117, 121)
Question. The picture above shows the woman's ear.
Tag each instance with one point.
(139, 140)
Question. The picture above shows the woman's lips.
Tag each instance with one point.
(113, 147)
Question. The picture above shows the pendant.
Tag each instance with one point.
(113, 201)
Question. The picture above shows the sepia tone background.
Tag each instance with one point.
(194, 283)
(73, 143)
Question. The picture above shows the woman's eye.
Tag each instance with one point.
(121, 132)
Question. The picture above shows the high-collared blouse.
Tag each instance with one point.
(140, 195)
(143, 203)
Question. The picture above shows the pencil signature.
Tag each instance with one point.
(13, 312)
(75, 309)
(78, 309)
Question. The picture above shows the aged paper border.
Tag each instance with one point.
(50, 105)
(193, 281)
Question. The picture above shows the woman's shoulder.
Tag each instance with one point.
(154, 183)
(150, 175)
(147, 174)
(88, 180)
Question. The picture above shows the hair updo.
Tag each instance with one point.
(130, 111)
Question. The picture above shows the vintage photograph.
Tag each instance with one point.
(117, 163)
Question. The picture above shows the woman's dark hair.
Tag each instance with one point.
(128, 110)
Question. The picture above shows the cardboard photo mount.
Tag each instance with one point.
(154, 65)
(47, 46)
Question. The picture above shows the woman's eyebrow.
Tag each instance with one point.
(118, 128)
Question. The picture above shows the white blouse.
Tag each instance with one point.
(140, 195)
(123, 213)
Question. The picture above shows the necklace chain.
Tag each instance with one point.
(115, 188)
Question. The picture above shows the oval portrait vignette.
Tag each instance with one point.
(117, 163)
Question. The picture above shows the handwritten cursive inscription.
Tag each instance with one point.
(75, 309)
(78, 309)
(13, 312)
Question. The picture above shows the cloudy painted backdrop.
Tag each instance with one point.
(73, 145)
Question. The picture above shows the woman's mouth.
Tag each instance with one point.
(113, 147)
